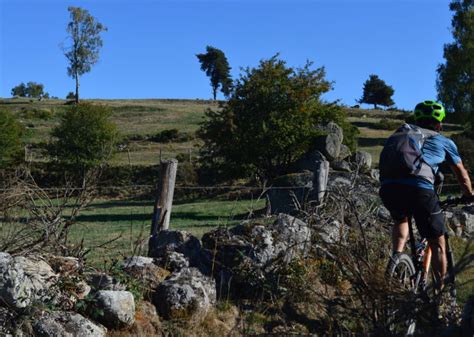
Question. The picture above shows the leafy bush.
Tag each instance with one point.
(388, 124)
(11, 132)
(170, 135)
(85, 136)
(35, 113)
(268, 122)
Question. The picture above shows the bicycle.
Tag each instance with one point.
(412, 270)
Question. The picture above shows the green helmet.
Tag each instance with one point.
(429, 109)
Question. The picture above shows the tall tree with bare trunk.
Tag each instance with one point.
(85, 42)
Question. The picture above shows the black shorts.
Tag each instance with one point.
(423, 204)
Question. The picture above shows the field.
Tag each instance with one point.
(126, 221)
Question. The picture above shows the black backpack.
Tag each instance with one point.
(402, 155)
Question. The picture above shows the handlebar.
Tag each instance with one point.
(456, 201)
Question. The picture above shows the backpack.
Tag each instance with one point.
(402, 155)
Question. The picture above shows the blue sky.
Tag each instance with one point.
(149, 49)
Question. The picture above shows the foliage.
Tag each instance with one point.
(268, 122)
(85, 136)
(376, 91)
(455, 82)
(31, 89)
(170, 135)
(388, 124)
(71, 95)
(83, 52)
(214, 63)
(11, 132)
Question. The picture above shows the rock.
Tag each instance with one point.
(384, 214)
(173, 261)
(344, 153)
(101, 281)
(452, 221)
(375, 174)
(289, 192)
(331, 232)
(143, 269)
(65, 265)
(362, 160)
(341, 165)
(8, 320)
(466, 218)
(147, 321)
(187, 294)
(329, 145)
(24, 281)
(168, 241)
(315, 162)
(118, 307)
(245, 256)
(58, 323)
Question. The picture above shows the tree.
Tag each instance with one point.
(214, 63)
(19, 90)
(84, 32)
(376, 91)
(268, 122)
(455, 82)
(71, 95)
(31, 89)
(35, 90)
(84, 138)
(11, 132)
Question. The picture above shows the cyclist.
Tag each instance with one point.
(414, 194)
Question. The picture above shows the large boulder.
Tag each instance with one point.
(167, 242)
(466, 218)
(315, 162)
(330, 144)
(66, 324)
(244, 257)
(118, 308)
(187, 294)
(344, 153)
(24, 281)
(290, 191)
(362, 161)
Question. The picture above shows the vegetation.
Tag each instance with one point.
(272, 104)
(85, 137)
(11, 132)
(84, 31)
(214, 63)
(376, 91)
(31, 89)
(456, 76)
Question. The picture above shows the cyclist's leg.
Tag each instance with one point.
(438, 260)
(430, 224)
(399, 235)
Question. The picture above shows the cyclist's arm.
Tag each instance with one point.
(463, 178)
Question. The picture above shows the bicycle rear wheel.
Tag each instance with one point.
(402, 271)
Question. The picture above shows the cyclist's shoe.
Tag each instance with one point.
(392, 262)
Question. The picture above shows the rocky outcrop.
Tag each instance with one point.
(187, 294)
(330, 143)
(362, 161)
(144, 269)
(118, 308)
(244, 256)
(67, 324)
(24, 281)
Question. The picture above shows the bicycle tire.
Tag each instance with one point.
(403, 271)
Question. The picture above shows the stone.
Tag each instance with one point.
(118, 308)
(187, 294)
(168, 241)
(289, 192)
(363, 161)
(331, 232)
(65, 265)
(66, 324)
(24, 281)
(146, 271)
(466, 218)
(330, 144)
(173, 261)
(341, 165)
(344, 153)
(101, 281)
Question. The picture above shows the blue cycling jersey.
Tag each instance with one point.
(436, 150)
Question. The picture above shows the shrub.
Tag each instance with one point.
(170, 135)
(11, 132)
(268, 122)
(85, 136)
(35, 113)
(388, 124)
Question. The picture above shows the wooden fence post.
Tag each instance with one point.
(164, 199)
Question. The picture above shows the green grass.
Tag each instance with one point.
(129, 220)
